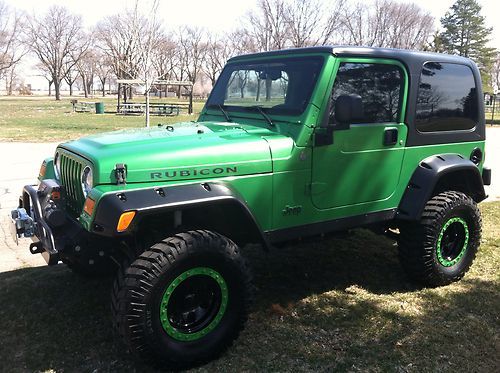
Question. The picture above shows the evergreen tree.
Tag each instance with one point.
(464, 33)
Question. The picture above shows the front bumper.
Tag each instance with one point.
(30, 220)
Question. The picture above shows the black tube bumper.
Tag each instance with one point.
(47, 241)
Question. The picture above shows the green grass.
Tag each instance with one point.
(40, 119)
(329, 305)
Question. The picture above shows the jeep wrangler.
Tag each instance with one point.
(290, 143)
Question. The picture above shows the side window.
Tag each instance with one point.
(379, 85)
(447, 98)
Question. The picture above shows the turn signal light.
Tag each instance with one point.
(125, 220)
(89, 205)
(43, 170)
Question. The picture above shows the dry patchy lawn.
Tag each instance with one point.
(341, 304)
(38, 119)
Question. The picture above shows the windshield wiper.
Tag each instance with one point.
(221, 108)
(262, 112)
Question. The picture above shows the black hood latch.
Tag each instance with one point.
(120, 173)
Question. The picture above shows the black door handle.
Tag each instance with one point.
(390, 136)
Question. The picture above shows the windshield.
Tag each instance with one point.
(279, 86)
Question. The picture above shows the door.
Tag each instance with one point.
(364, 162)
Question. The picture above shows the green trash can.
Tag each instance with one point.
(99, 107)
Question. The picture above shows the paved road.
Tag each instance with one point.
(20, 166)
(24, 162)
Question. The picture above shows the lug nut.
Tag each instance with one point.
(77, 248)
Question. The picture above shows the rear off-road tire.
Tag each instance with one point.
(440, 248)
(183, 301)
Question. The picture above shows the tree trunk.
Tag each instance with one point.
(147, 108)
(268, 89)
(71, 89)
(103, 87)
(85, 87)
(57, 89)
(50, 89)
(257, 95)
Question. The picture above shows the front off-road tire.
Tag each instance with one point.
(183, 301)
(440, 248)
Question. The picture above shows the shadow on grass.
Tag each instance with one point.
(329, 305)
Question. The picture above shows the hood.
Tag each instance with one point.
(181, 151)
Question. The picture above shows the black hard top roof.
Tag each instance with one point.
(409, 57)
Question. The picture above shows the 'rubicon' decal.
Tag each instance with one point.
(193, 172)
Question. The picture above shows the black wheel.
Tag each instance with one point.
(184, 301)
(440, 248)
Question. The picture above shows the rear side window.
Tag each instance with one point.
(447, 98)
(379, 85)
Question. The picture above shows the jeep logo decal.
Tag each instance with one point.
(195, 172)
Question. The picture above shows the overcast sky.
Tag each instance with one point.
(219, 15)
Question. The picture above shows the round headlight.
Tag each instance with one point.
(57, 165)
(87, 180)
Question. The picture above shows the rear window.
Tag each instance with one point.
(447, 98)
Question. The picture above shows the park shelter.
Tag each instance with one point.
(188, 85)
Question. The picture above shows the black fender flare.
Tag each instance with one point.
(153, 201)
(427, 176)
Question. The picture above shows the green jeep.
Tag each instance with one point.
(290, 143)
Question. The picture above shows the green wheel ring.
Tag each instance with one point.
(173, 332)
(443, 261)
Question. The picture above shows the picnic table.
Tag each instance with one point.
(161, 109)
(83, 106)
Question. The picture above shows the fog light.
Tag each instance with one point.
(43, 170)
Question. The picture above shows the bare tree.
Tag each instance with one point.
(146, 32)
(240, 42)
(11, 48)
(192, 48)
(217, 53)
(116, 42)
(87, 66)
(495, 74)
(268, 25)
(11, 79)
(44, 73)
(56, 38)
(166, 58)
(71, 75)
(103, 68)
(312, 22)
(387, 24)
(410, 26)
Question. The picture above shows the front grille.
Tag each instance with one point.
(71, 178)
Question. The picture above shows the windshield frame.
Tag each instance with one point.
(218, 91)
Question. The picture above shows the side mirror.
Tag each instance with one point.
(348, 109)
